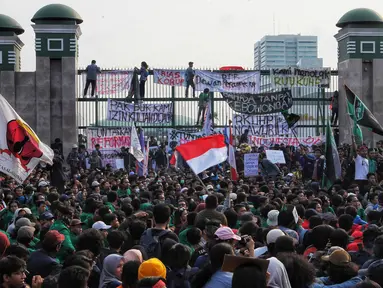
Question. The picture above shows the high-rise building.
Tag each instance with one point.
(287, 51)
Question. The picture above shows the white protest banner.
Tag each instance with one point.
(143, 113)
(112, 82)
(276, 156)
(108, 138)
(287, 141)
(169, 77)
(270, 125)
(179, 137)
(235, 82)
(251, 164)
(296, 77)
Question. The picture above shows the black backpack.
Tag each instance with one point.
(180, 278)
(152, 244)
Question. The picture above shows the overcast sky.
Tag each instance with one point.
(169, 33)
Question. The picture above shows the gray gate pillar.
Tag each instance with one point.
(360, 66)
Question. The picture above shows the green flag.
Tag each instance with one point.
(360, 113)
(290, 118)
(358, 135)
(332, 169)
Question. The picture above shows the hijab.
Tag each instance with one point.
(278, 274)
(133, 255)
(109, 269)
(11, 227)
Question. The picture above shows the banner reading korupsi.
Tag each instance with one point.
(112, 82)
(169, 77)
(296, 77)
(262, 103)
(108, 138)
(235, 82)
(143, 113)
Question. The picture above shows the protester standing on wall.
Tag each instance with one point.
(202, 104)
(189, 77)
(144, 73)
(334, 107)
(91, 77)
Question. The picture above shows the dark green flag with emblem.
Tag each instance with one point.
(360, 113)
(332, 170)
(290, 118)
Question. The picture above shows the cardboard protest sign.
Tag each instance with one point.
(251, 164)
(296, 77)
(262, 103)
(276, 156)
(143, 113)
(234, 82)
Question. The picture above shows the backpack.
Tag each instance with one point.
(180, 278)
(152, 244)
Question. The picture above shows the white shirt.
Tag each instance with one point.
(361, 168)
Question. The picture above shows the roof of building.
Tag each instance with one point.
(57, 12)
(8, 24)
(360, 15)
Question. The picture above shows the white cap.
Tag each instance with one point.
(42, 184)
(95, 184)
(209, 187)
(233, 196)
(184, 189)
(74, 146)
(272, 218)
(100, 225)
(273, 235)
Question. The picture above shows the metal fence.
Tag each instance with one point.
(312, 104)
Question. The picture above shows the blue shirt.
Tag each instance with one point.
(220, 279)
(323, 282)
(359, 221)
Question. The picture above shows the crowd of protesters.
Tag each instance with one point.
(103, 228)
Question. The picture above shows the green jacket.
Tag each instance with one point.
(86, 218)
(7, 218)
(110, 206)
(67, 247)
(73, 238)
(182, 236)
(123, 193)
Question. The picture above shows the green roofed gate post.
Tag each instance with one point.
(57, 32)
(360, 66)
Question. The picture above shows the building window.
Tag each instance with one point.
(55, 44)
(367, 47)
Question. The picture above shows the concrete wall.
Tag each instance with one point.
(45, 99)
(377, 103)
(365, 78)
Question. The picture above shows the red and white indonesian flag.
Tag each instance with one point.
(20, 148)
(232, 162)
(204, 153)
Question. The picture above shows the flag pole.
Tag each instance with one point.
(200, 180)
